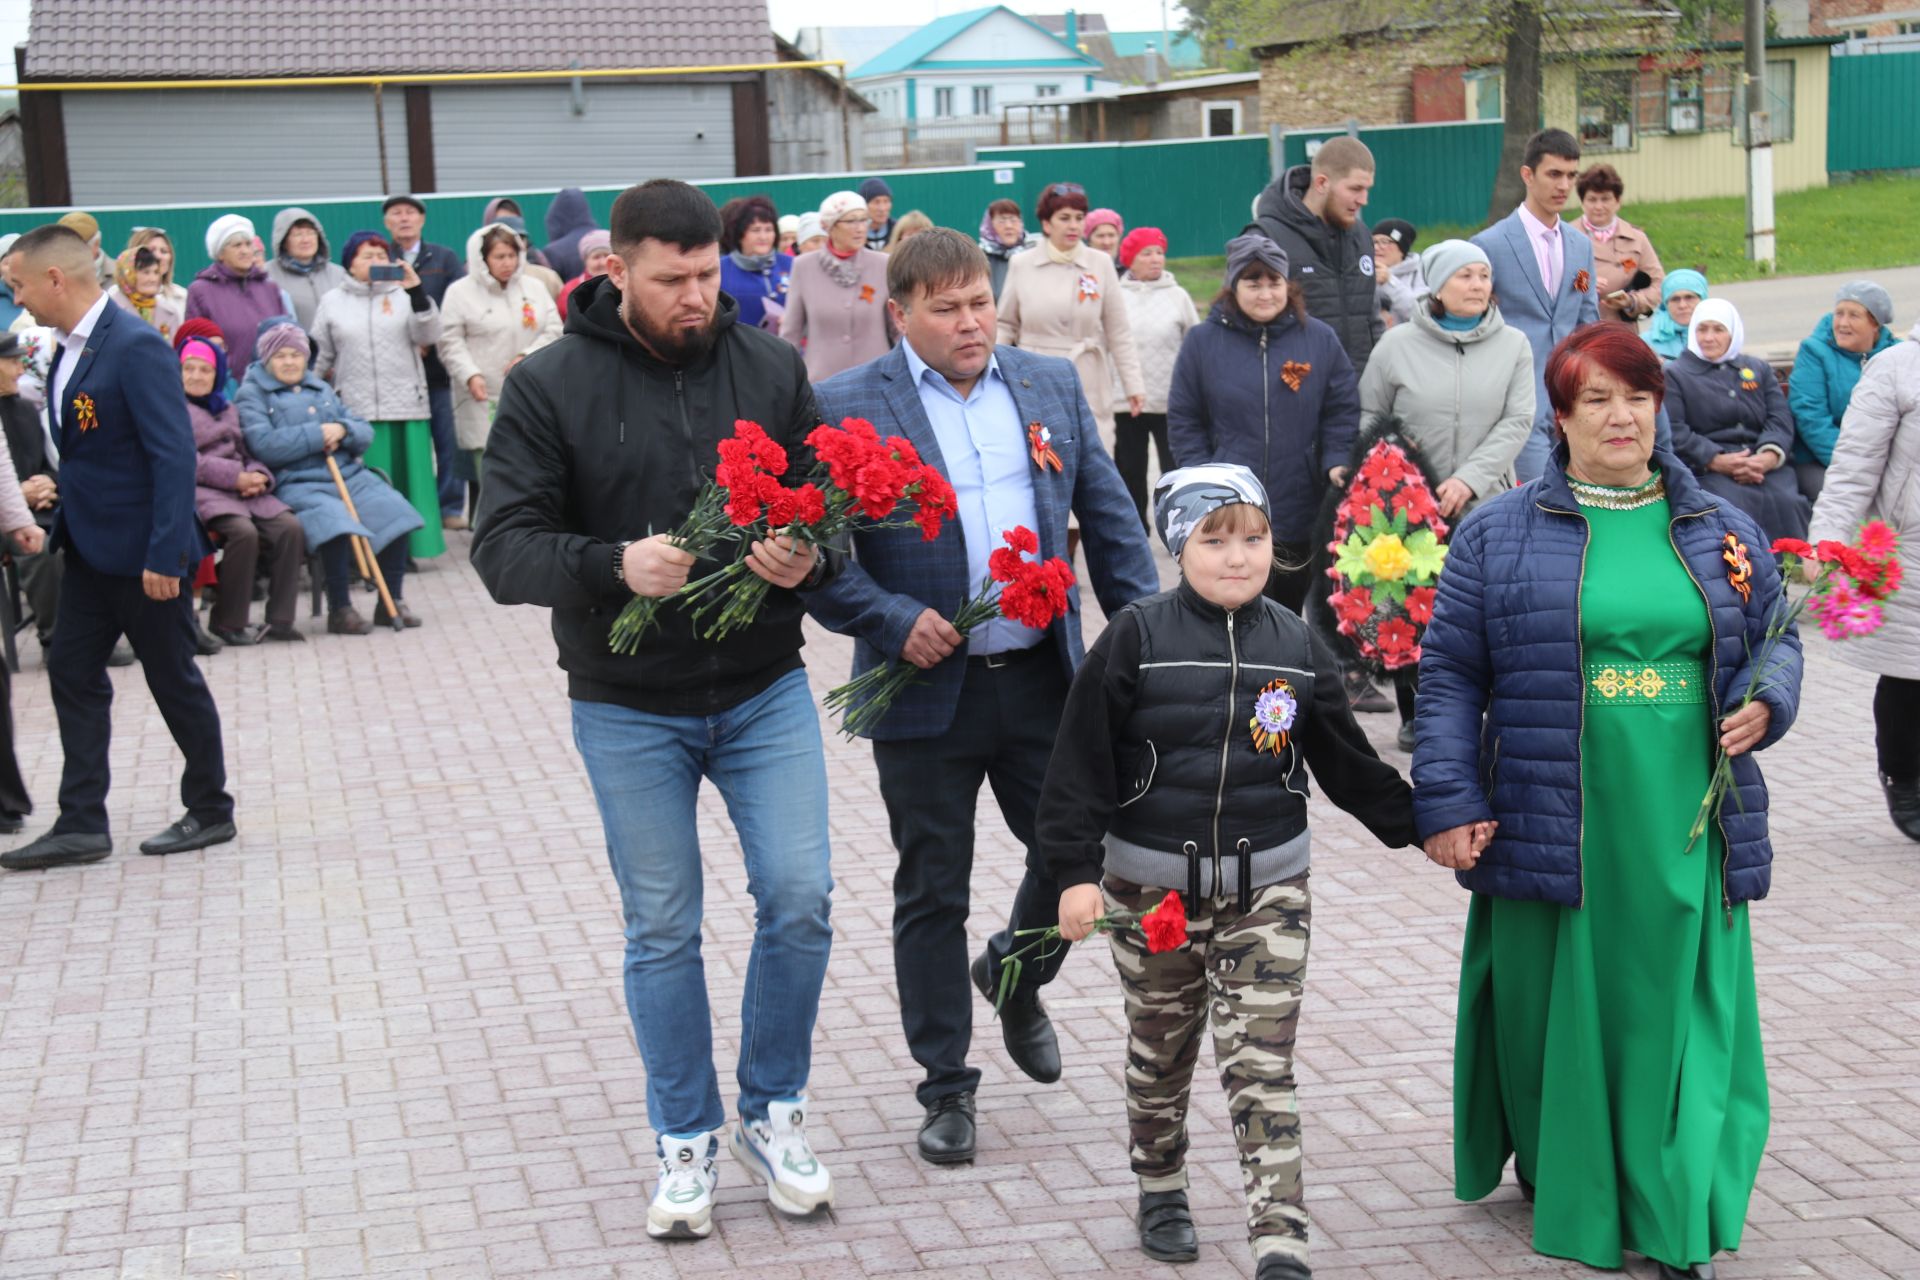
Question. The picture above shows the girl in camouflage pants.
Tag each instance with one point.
(1178, 767)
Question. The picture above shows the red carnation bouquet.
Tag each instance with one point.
(1165, 926)
(1030, 592)
(1387, 550)
(1847, 584)
(858, 479)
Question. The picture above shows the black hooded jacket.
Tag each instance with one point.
(1332, 268)
(597, 442)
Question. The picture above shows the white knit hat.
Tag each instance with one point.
(840, 204)
(809, 228)
(224, 228)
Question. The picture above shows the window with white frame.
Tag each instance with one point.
(1222, 119)
(983, 99)
(943, 103)
(1046, 91)
(1604, 110)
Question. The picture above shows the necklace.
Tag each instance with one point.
(1611, 498)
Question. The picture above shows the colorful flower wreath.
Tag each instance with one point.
(1387, 549)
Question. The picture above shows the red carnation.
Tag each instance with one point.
(1004, 564)
(810, 505)
(936, 502)
(1165, 925)
(1038, 594)
(1829, 551)
(1792, 547)
(1022, 539)
(1420, 605)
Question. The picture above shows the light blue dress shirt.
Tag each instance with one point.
(984, 446)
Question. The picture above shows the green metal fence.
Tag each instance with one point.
(1425, 173)
(1200, 192)
(1870, 112)
(951, 197)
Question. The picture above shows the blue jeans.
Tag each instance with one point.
(765, 757)
(452, 490)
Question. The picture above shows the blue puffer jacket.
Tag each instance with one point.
(1504, 644)
(1824, 377)
(1231, 401)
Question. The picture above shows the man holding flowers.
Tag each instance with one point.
(1013, 434)
(602, 443)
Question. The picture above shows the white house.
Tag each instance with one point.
(966, 65)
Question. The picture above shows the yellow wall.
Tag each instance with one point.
(1688, 166)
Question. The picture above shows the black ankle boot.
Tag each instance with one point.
(1903, 805)
(1166, 1227)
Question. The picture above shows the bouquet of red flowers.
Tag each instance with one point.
(1387, 550)
(1165, 926)
(1032, 593)
(1848, 582)
(858, 478)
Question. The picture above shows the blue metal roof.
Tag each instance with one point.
(1178, 50)
(917, 47)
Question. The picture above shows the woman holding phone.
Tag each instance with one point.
(1621, 251)
(367, 336)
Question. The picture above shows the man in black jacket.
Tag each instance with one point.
(437, 266)
(600, 445)
(1313, 212)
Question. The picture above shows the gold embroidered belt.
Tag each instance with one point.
(1614, 684)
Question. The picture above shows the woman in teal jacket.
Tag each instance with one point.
(1826, 370)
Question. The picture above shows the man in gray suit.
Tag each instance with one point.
(1542, 272)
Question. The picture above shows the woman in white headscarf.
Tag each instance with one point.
(837, 301)
(1731, 423)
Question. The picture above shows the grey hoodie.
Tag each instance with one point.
(305, 287)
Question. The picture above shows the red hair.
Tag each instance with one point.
(1603, 346)
(1058, 196)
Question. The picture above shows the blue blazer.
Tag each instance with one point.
(893, 575)
(126, 480)
(1523, 295)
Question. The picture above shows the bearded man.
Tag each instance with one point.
(601, 443)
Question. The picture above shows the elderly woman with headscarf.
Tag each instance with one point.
(294, 422)
(1592, 637)
(300, 262)
(1827, 369)
(367, 337)
(753, 272)
(1002, 234)
(1263, 384)
(139, 287)
(494, 318)
(1680, 292)
(837, 302)
(1063, 299)
(1731, 422)
(596, 247)
(532, 261)
(235, 292)
(233, 496)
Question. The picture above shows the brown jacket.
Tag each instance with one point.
(1615, 259)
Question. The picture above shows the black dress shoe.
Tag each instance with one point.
(204, 644)
(187, 834)
(1166, 1227)
(1404, 739)
(288, 633)
(1279, 1267)
(946, 1135)
(1025, 1028)
(1903, 805)
(240, 639)
(408, 618)
(10, 823)
(52, 850)
(1363, 697)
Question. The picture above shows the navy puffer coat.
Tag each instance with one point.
(1497, 731)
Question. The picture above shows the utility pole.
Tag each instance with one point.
(1759, 141)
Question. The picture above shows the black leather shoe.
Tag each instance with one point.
(187, 834)
(1364, 698)
(946, 1135)
(1903, 805)
(408, 618)
(288, 633)
(11, 823)
(1277, 1267)
(1404, 739)
(204, 643)
(1025, 1028)
(52, 850)
(1166, 1227)
(240, 639)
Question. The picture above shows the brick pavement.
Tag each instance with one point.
(383, 1034)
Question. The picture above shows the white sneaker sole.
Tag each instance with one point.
(669, 1224)
(783, 1198)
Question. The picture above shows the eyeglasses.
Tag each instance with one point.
(1067, 189)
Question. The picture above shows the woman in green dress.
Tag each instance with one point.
(1590, 643)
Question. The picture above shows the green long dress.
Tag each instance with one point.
(1614, 1049)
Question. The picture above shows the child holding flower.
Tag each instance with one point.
(1178, 767)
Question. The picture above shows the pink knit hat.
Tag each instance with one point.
(1103, 218)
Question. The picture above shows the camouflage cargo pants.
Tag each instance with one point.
(1244, 975)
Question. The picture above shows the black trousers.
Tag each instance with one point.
(13, 788)
(337, 563)
(96, 609)
(1131, 432)
(1002, 734)
(1896, 727)
(1289, 586)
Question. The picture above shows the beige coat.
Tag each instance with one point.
(837, 327)
(1876, 472)
(484, 327)
(1074, 310)
(1610, 258)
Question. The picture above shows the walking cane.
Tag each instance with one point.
(363, 550)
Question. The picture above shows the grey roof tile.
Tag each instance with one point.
(109, 39)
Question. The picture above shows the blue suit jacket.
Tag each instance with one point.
(893, 575)
(126, 478)
(1523, 295)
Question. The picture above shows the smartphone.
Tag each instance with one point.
(380, 271)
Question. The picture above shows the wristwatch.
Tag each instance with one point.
(620, 563)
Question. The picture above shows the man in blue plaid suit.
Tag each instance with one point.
(1013, 433)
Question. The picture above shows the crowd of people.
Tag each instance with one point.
(346, 412)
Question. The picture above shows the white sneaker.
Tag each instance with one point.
(682, 1207)
(775, 1151)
